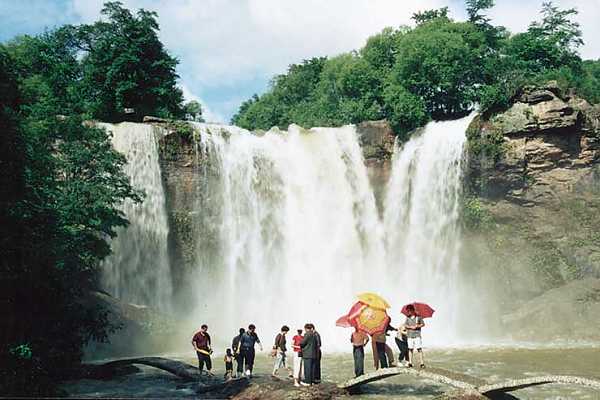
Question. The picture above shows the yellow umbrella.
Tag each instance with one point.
(373, 300)
(372, 320)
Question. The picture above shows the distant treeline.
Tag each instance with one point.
(437, 70)
(61, 182)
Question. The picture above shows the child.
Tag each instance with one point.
(297, 339)
(228, 364)
(402, 342)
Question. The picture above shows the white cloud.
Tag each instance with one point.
(227, 46)
(207, 113)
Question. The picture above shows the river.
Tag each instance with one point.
(494, 364)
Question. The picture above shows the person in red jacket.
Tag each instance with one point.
(297, 357)
(202, 345)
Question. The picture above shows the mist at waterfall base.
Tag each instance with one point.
(288, 231)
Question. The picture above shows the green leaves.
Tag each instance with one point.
(437, 70)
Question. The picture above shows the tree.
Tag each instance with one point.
(62, 183)
(558, 27)
(125, 66)
(442, 63)
(474, 8)
(193, 111)
(404, 110)
(423, 17)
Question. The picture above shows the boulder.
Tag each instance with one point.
(570, 312)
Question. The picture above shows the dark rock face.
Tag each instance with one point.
(377, 142)
(550, 142)
(181, 174)
(535, 169)
(141, 328)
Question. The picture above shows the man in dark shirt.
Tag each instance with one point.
(317, 367)
(280, 349)
(247, 343)
(237, 352)
(310, 350)
(201, 343)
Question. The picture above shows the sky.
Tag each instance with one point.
(230, 49)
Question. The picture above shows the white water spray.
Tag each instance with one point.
(138, 271)
(289, 231)
(421, 215)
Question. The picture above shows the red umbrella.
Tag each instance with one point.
(347, 321)
(366, 318)
(422, 310)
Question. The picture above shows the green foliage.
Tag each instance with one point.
(485, 143)
(193, 111)
(22, 351)
(440, 62)
(183, 129)
(63, 183)
(403, 110)
(439, 69)
(474, 8)
(125, 66)
(474, 215)
(423, 17)
(103, 70)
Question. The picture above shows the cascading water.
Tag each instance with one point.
(421, 214)
(138, 270)
(289, 232)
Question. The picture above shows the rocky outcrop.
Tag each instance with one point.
(547, 141)
(181, 173)
(140, 327)
(570, 312)
(377, 142)
(534, 174)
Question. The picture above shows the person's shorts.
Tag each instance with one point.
(415, 343)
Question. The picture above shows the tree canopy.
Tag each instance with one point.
(438, 69)
(62, 182)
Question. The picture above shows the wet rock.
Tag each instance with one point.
(151, 119)
(377, 143)
(570, 312)
(269, 388)
(535, 168)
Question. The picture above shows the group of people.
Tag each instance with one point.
(408, 339)
(306, 350)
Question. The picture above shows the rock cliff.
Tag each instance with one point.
(533, 185)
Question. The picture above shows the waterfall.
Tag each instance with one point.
(138, 270)
(288, 229)
(421, 212)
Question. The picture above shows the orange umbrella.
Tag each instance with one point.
(372, 320)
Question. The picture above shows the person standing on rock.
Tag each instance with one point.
(201, 343)
(379, 346)
(317, 367)
(279, 351)
(237, 354)
(309, 346)
(359, 340)
(413, 325)
(248, 341)
(297, 339)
